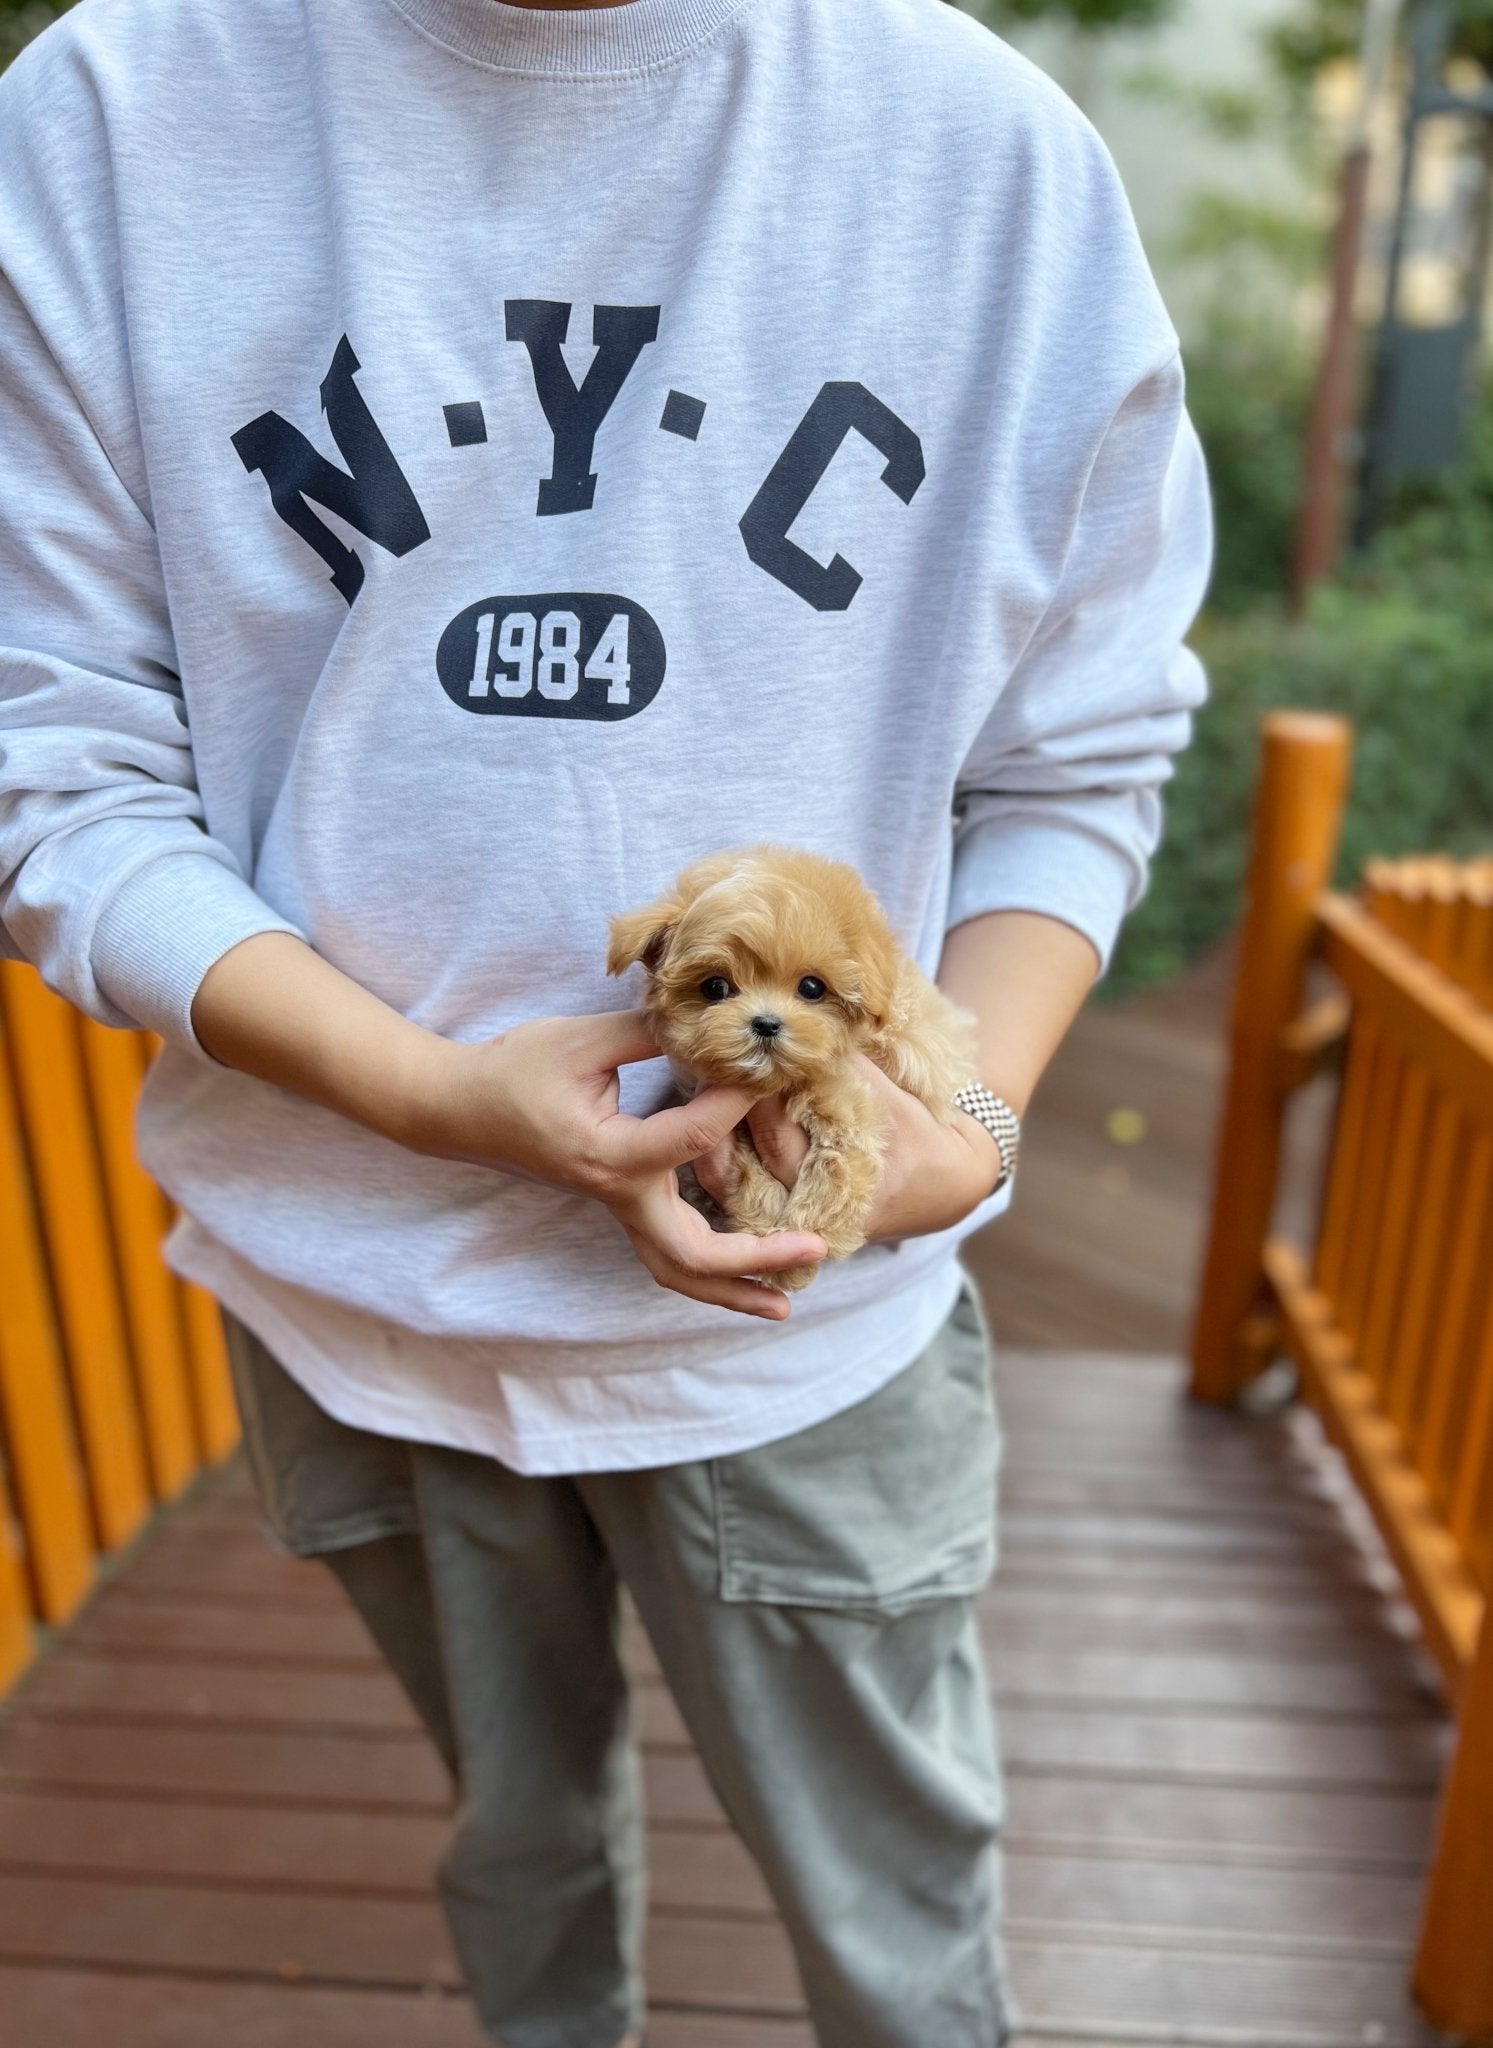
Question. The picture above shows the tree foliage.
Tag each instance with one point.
(20, 20)
(1089, 15)
(1316, 32)
(1398, 642)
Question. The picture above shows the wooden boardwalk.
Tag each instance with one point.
(218, 1819)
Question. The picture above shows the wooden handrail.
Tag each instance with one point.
(1390, 1321)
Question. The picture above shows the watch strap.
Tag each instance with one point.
(997, 1117)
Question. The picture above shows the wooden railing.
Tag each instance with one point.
(1389, 1316)
(114, 1385)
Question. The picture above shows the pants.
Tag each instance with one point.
(811, 1606)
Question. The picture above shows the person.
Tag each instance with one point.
(464, 460)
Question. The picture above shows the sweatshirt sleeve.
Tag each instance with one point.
(1058, 803)
(109, 881)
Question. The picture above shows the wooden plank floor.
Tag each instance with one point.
(218, 1819)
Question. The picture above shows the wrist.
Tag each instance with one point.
(989, 1162)
(420, 1095)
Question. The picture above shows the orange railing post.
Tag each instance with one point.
(114, 1382)
(1454, 1969)
(114, 1063)
(15, 1607)
(69, 1193)
(1298, 811)
(45, 1470)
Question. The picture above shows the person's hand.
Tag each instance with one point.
(541, 1102)
(932, 1173)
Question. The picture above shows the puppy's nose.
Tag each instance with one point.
(767, 1027)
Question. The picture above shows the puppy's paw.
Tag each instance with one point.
(753, 1199)
(794, 1280)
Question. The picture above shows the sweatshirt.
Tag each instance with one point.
(462, 462)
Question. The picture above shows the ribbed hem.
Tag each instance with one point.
(165, 927)
(571, 42)
(1050, 866)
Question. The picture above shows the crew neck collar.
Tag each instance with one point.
(571, 42)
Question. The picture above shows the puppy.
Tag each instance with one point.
(772, 968)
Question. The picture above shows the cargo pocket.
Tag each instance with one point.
(322, 1485)
(886, 1507)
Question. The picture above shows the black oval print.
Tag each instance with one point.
(571, 654)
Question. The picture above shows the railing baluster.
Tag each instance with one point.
(1472, 950)
(1408, 1378)
(1453, 1344)
(1472, 1491)
(114, 1061)
(34, 1411)
(16, 1636)
(1387, 1261)
(70, 1199)
(1335, 1233)
(1373, 1186)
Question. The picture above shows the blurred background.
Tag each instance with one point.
(1230, 121)
(1312, 182)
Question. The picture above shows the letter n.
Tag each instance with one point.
(371, 494)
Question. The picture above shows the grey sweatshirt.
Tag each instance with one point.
(461, 462)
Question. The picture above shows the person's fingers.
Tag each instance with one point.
(619, 1038)
(682, 1236)
(731, 1254)
(675, 1137)
(882, 1084)
(781, 1144)
(713, 1171)
(746, 1297)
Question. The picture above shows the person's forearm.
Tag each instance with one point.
(273, 1008)
(540, 1101)
(1025, 978)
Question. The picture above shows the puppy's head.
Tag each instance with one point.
(765, 967)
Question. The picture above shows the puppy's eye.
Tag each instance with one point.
(812, 989)
(715, 988)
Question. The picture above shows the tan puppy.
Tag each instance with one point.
(772, 968)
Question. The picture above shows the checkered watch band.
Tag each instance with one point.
(998, 1117)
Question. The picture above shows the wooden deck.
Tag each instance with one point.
(218, 1820)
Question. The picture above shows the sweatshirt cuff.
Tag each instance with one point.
(164, 928)
(1050, 866)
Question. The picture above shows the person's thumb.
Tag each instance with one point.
(673, 1137)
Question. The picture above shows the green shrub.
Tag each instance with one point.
(1248, 391)
(1403, 645)
(20, 20)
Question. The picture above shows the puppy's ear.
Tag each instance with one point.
(877, 984)
(642, 935)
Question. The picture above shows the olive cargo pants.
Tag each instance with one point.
(811, 1604)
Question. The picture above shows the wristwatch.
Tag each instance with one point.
(998, 1117)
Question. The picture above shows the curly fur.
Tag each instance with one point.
(763, 918)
